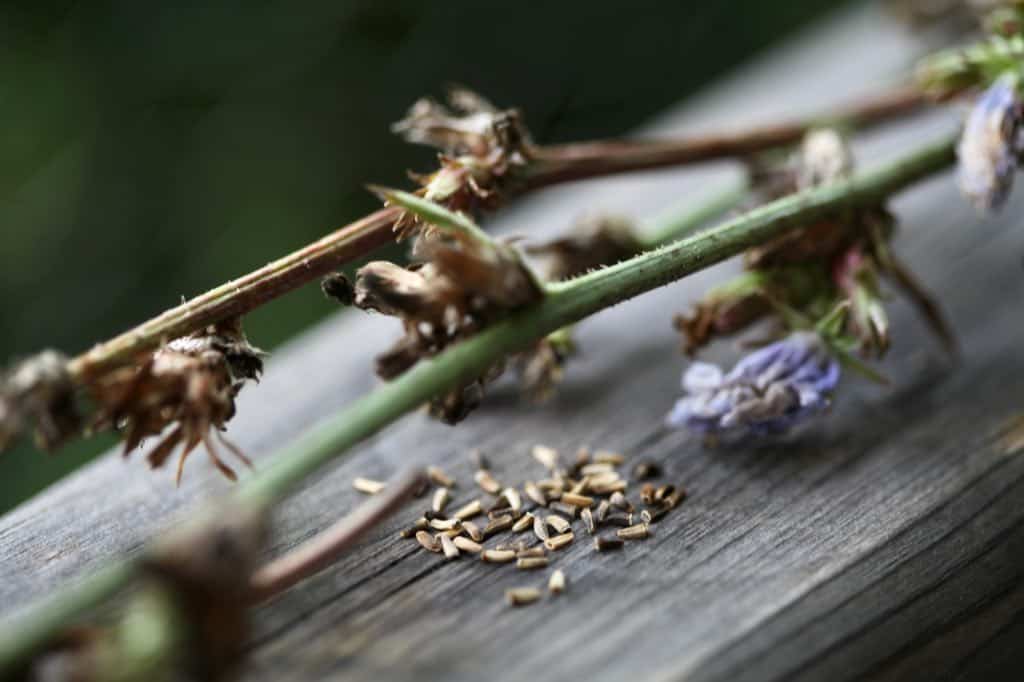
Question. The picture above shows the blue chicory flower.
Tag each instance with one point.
(987, 151)
(768, 391)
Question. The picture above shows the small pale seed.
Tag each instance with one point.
(443, 524)
(368, 485)
(540, 529)
(548, 457)
(525, 522)
(610, 487)
(559, 524)
(535, 494)
(467, 545)
(636, 532)
(530, 563)
(451, 551)
(577, 500)
(440, 500)
(439, 477)
(531, 552)
(497, 525)
(468, 511)
(514, 500)
(558, 541)
(486, 481)
(473, 530)
(497, 556)
(602, 511)
(427, 541)
(588, 520)
(608, 457)
(556, 583)
(520, 596)
(594, 468)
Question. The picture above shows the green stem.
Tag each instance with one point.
(566, 303)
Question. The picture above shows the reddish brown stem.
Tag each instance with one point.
(325, 548)
(562, 163)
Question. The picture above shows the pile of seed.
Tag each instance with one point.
(536, 519)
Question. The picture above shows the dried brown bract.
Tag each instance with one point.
(594, 242)
(189, 385)
(38, 394)
(481, 147)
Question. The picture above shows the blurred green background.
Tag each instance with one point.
(151, 150)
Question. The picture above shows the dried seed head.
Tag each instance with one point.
(440, 500)
(337, 287)
(468, 511)
(367, 485)
(535, 494)
(467, 545)
(619, 501)
(473, 531)
(603, 544)
(497, 556)
(487, 482)
(531, 563)
(38, 394)
(577, 500)
(559, 524)
(439, 477)
(521, 596)
(427, 541)
(448, 547)
(548, 457)
(646, 469)
(558, 541)
(588, 521)
(556, 583)
(635, 532)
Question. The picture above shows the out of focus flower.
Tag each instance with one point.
(38, 394)
(988, 146)
(769, 391)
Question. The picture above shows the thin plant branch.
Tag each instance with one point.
(547, 166)
(324, 548)
(564, 303)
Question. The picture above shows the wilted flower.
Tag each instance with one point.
(39, 394)
(593, 242)
(769, 391)
(988, 147)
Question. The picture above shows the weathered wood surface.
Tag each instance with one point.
(885, 545)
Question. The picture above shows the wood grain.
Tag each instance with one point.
(884, 544)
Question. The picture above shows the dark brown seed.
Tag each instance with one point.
(558, 523)
(603, 544)
(556, 584)
(497, 556)
(602, 511)
(647, 494)
(637, 532)
(467, 545)
(440, 478)
(473, 530)
(427, 541)
(588, 520)
(540, 529)
(620, 520)
(664, 492)
(499, 524)
(449, 548)
(562, 508)
(559, 541)
(535, 494)
(530, 563)
(520, 596)
(619, 500)
(498, 505)
(645, 469)
(676, 498)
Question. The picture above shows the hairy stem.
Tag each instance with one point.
(565, 303)
(547, 166)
